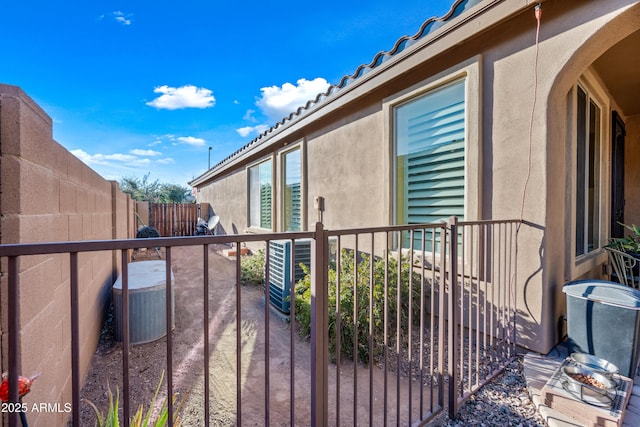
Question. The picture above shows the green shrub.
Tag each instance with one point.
(252, 269)
(348, 268)
(629, 243)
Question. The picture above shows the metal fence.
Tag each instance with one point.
(422, 316)
(482, 304)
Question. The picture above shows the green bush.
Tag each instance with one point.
(348, 268)
(629, 243)
(252, 269)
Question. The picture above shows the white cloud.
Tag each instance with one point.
(82, 155)
(248, 116)
(190, 140)
(138, 152)
(278, 102)
(105, 159)
(123, 18)
(251, 129)
(118, 157)
(116, 166)
(158, 141)
(188, 96)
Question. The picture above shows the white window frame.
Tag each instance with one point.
(470, 72)
(282, 184)
(588, 82)
(258, 164)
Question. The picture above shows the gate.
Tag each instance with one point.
(174, 219)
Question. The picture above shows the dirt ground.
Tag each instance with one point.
(148, 361)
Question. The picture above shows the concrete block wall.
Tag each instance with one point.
(49, 195)
(142, 208)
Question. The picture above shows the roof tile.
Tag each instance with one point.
(430, 25)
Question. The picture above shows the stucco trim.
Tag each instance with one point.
(619, 21)
(298, 145)
(583, 264)
(469, 71)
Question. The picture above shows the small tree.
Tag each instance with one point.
(144, 191)
(140, 189)
(173, 193)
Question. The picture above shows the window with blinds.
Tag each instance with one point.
(260, 184)
(587, 193)
(292, 191)
(430, 156)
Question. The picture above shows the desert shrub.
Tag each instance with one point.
(252, 269)
(141, 418)
(347, 298)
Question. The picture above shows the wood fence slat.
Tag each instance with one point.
(174, 219)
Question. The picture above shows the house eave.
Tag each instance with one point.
(479, 19)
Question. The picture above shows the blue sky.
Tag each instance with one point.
(137, 87)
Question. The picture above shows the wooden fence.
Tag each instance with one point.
(174, 219)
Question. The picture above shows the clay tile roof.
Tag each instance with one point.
(430, 25)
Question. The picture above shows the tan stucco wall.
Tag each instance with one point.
(632, 174)
(527, 144)
(228, 199)
(351, 177)
(349, 149)
(347, 165)
(595, 27)
(49, 195)
(142, 209)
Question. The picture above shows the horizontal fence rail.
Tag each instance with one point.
(405, 320)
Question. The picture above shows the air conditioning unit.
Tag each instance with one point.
(280, 269)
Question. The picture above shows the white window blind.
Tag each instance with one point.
(260, 195)
(292, 193)
(430, 156)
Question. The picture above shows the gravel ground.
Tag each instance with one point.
(503, 402)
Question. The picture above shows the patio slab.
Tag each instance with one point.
(537, 371)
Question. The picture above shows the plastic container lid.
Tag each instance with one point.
(609, 293)
(145, 274)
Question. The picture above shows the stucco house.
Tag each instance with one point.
(502, 109)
